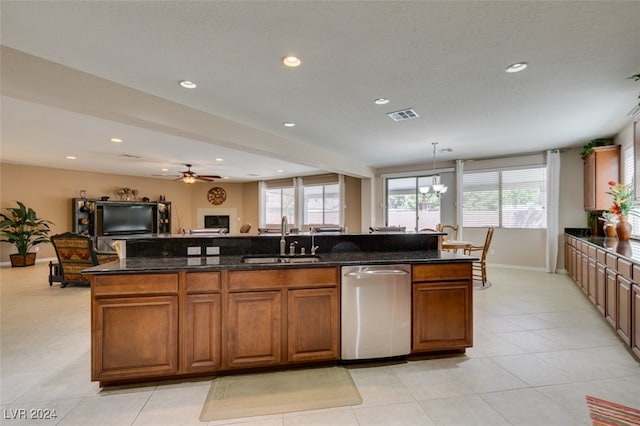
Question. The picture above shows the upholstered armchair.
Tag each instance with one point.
(76, 253)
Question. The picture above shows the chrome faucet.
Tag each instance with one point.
(283, 243)
(314, 247)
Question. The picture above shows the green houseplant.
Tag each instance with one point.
(24, 229)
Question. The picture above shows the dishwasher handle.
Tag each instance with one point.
(370, 272)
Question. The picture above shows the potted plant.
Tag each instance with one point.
(24, 229)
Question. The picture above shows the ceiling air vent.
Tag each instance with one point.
(404, 114)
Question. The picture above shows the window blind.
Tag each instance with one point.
(509, 198)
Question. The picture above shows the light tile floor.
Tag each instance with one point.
(539, 348)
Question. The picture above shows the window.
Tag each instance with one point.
(312, 200)
(627, 178)
(279, 201)
(321, 204)
(510, 198)
(408, 207)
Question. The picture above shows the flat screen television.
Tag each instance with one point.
(127, 219)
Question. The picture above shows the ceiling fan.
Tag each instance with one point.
(189, 176)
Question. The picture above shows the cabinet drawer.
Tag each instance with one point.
(438, 272)
(128, 284)
(612, 261)
(636, 274)
(592, 251)
(601, 255)
(199, 282)
(624, 268)
(283, 278)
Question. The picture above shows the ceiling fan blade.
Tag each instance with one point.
(204, 178)
(210, 176)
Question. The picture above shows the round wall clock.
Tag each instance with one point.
(216, 195)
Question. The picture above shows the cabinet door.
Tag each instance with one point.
(254, 333)
(623, 323)
(134, 337)
(442, 316)
(201, 333)
(601, 287)
(591, 281)
(584, 273)
(635, 317)
(612, 299)
(313, 324)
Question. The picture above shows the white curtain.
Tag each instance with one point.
(553, 208)
(459, 182)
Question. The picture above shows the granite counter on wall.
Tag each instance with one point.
(629, 249)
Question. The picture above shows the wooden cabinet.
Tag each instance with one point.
(635, 315)
(134, 326)
(201, 322)
(612, 284)
(600, 166)
(623, 309)
(442, 307)
(282, 316)
(313, 324)
(254, 329)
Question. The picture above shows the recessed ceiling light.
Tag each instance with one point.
(225, 177)
(71, 157)
(116, 140)
(381, 101)
(188, 84)
(517, 67)
(289, 124)
(280, 171)
(220, 160)
(291, 61)
(165, 170)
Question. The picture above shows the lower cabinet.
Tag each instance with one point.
(254, 329)
(313, 324)
(635, 315)
(135, 337)
(201, 333)
(283, 316)
(611, 281)
(442, 307)
(623, 309)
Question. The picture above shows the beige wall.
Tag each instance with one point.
(353, 215)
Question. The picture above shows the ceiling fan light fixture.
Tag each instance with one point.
(189, 179)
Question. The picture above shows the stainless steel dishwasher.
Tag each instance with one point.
(376, 311)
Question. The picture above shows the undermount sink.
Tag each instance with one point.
(280, 259)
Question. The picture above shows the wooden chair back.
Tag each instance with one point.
(450, 230)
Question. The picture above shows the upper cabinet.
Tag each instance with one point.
(601, 165)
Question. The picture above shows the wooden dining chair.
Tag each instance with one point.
(450, 230)
(480, 266)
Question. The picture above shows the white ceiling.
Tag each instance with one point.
(76, 73)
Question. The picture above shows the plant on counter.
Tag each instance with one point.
(23, 228)
(622, 199)
(609, 218)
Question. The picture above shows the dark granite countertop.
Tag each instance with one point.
(629, 249)
(166, 264)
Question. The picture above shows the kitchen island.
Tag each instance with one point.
(169, 315)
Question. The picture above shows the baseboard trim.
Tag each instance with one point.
(524, 268)
(38, 260)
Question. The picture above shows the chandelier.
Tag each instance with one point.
(436, 187)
